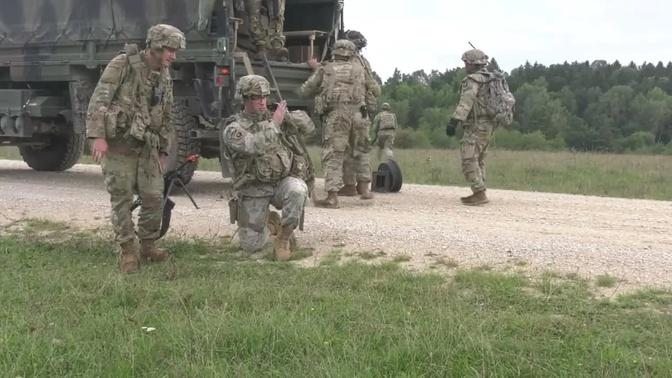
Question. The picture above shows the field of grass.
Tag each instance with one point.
(612, 175)
(66, 312)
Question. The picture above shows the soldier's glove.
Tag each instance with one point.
(363, 111)
(452, 126)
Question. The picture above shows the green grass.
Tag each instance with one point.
(612, 175)
(605, 280)
(67, 312)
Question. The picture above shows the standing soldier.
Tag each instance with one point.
(349, 180)
(478, 125)
(384, 128)
(129, 121)
(266, 169)
(267, 35)
(341, 87)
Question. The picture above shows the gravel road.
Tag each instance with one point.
(534, 232)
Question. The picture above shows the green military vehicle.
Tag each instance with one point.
(52, 53)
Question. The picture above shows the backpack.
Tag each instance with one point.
(343, 84)
(388, 121)
(499, 101)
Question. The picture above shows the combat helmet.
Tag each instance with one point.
(476, 57)
(357, 38)
(163, 35)
(252, 85)
(385, 106)
(345, 48)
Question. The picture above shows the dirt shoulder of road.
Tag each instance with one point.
(424, 227)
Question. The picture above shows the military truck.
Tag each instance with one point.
(52, 53)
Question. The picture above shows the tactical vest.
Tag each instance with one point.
(388, 121)
(141, 101)
(275, 164)
(343, 84)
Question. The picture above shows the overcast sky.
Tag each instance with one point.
(433, 34)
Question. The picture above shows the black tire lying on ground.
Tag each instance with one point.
(388, 178)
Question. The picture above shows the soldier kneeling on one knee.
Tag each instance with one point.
(268, 169)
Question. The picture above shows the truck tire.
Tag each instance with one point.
(62, 153)
(183, 145)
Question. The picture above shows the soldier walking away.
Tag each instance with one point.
(266, 169)
(267, 32)
(129, 123)
(341, 86)
(485, 103)
(384, 129)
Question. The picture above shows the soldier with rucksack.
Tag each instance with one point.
(384, 129)
(341, 87)
(485, 103)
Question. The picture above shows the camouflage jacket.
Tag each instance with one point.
(340, 82)
(472, 97)
(259, 150)
(384, 122)
(132, 104)
(374, 91)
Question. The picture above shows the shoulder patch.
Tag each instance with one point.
(233, 132)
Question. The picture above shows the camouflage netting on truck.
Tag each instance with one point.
(62, 21)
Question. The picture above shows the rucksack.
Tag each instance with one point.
(388, 121)
(499, 101)
(343, 84)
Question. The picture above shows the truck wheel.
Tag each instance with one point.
(183, 145)
(62, 153)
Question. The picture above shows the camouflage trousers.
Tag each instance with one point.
(289, 195)
(385, 143)
(345, 149)
(266, 31)
(131, 173)
(473, 150)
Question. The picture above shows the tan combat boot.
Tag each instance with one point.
(260, 53)
(348, 191)
(278, 51)
(281, 54)
(274, 224)
(282, 245)
(128, 257)
(150, 253)
(331, 202)
(363, 190)
(476, 199)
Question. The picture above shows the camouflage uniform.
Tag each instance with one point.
(371, 100)
(384, 129)
(266, 171)
(266, 35)
(341, 87)
(131, 109)
(478, 126)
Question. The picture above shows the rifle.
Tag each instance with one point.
(170, 179)
(294, 141)
(274, 9)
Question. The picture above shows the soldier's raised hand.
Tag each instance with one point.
(279, 114)
(313, 63)
(99, 149)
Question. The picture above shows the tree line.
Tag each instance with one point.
(585, 106)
